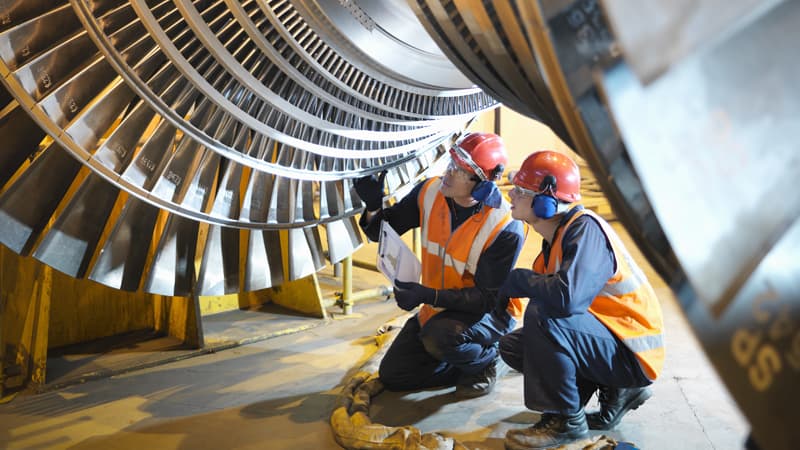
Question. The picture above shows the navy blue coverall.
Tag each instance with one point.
(454, 342)
(563, 351)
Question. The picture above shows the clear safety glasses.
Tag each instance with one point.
(459, 172)
(517, 190)
(522, 191)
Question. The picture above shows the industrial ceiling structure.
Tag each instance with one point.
(221, 130)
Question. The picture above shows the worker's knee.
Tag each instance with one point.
(435, 347)
(441, 341)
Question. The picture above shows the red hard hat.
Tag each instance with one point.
(539, 165)
(483, 154)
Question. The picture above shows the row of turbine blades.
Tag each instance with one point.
(199, 147)
(471, 33)
(552, 52)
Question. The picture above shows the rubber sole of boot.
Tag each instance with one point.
(633, 403)
(465, 392)
(513, 445)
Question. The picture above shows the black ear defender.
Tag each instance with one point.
(545, 204)
(497, 172)
(483, 185)
(494, 175)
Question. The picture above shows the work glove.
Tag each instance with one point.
(487, 192)
(501, 302)
(517, 284)
(490, 328)
(409, 295)
(370, 190)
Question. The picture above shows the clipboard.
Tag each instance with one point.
(395, 260)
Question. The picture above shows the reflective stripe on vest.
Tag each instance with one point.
(461, 248)
(627, 304)
(644, 343)
(450, 257)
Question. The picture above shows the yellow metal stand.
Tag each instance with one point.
(26, 289)
(303, 295)
(347, 285)
(32, 322)
(347, 297)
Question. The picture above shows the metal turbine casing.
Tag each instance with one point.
(686, 112)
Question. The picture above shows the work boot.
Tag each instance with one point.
(615, 403)
(481, 383)
(551, 431)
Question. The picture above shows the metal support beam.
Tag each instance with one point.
(347, 297)
(347, 285)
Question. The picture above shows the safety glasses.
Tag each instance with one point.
(516, 190)
(460, 172)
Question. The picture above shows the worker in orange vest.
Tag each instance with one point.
(593, 322)
(469, 245)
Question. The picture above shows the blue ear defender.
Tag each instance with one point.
(486, 191)
(545, 205)
(481, 186)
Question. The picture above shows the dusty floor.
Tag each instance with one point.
(278, 393)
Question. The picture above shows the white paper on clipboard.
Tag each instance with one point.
(395, 260)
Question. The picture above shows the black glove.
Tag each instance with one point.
(517, 284)
(409, 294)
(501, 303)
(370, 190)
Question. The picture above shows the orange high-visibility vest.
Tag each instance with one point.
(450, 258)
(627, 304)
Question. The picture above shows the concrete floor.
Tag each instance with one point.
(278, 394)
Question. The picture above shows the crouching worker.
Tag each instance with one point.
(593, 321)
(469, 245)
